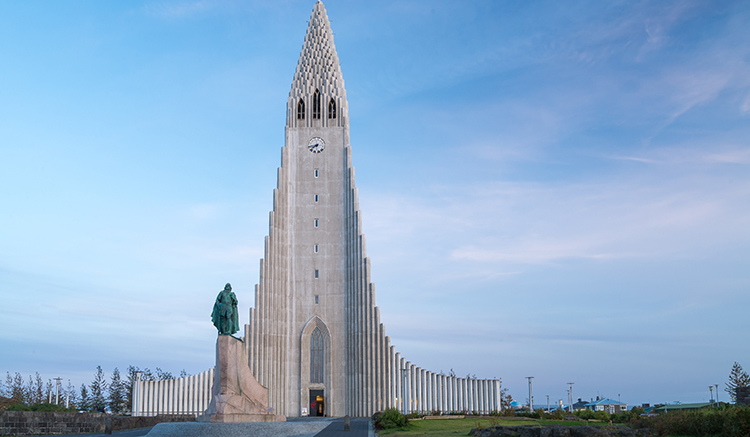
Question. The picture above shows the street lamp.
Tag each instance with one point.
(570, 397)
(531, 399)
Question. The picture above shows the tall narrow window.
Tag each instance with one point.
(316, 356)
(317, 274)
(316, 197)
(316, 105)
(316, 173)
(316, 299)
(332, 108)
(316, 223)
(301, 110)
(316, 249)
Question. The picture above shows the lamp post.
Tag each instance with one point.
(57, 390)
(531, 399)
(717, 394)
(570, 397)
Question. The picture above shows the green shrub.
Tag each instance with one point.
(593, 415)
(390, 418)
(43, 407)
(725, 422)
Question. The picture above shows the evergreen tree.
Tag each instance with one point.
(28, 392)
(17, 391)
(116, 392)
(738, 378)
(84, 404)
(39, 390)
(72, 397)
(128, 387)
(50, 390)
(97, 390)
(162, 375)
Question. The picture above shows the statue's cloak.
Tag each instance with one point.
(224, 315)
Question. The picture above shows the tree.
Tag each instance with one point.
(738, 378)
(50, 389)
(97, 390)
(128, 387)
(162, 375)
(84, 404)
(71, 393)
(116, 392)
(17, 390)
(38, 389)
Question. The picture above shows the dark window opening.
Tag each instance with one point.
(316, 105)
(301, 110)
(332, 108)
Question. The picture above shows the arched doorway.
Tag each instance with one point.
(315, 368)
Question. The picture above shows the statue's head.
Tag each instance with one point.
(228, 287)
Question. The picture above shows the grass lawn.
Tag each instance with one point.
(460, 427)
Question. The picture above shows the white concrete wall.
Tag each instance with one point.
(187, 395)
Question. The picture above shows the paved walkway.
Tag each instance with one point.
(360, 427)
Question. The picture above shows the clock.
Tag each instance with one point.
(316, 145)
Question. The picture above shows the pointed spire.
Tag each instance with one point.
(318, 69)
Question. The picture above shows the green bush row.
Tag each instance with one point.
(725, 422)
(43, 407)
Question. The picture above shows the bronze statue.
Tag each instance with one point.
(224, 314)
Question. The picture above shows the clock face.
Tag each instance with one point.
(316, 145)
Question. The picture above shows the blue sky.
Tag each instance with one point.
(549, 189)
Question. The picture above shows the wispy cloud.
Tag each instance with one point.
(657, 212)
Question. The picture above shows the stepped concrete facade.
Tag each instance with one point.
(315, 327)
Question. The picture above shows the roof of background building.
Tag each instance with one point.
(694, 406)
(605, 401)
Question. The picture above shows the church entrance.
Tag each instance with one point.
(317, 403)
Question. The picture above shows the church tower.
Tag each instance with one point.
(315, 332)
(314, 337)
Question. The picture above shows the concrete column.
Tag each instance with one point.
(412, 388)
(484, 396)
(474, 405)
(443, 393)
(399, 382)
(429, 395)
(454, 394)
(421, 391)
(193, 393)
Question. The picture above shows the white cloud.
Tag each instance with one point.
(671, 209)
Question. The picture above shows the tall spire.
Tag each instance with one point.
(317, 69)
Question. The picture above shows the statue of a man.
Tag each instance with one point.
(224, 314)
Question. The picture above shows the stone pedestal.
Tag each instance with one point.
(237, 396)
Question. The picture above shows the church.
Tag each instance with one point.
(314, 336)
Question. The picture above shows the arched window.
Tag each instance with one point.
(332, 108)
(316, 356)
(301, 110)
(316, 105)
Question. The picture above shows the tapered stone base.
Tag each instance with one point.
(237, 396)
(240, 418)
